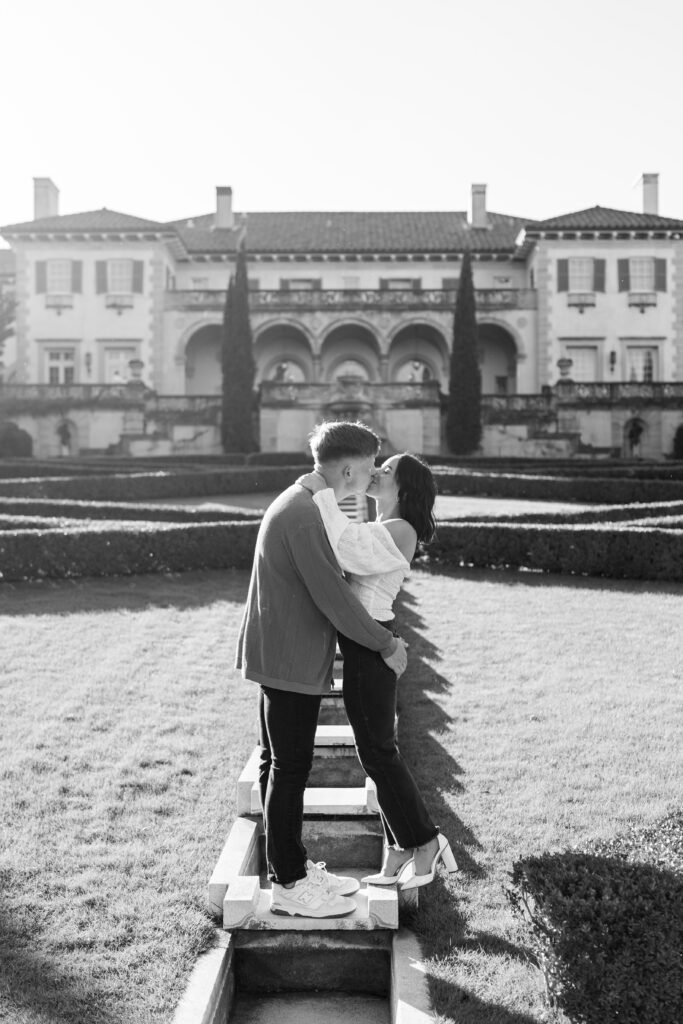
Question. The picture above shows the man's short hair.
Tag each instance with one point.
(339, 439)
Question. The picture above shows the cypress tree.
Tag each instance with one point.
(238, 365)
(463, 417)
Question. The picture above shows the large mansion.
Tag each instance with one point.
(352, 315)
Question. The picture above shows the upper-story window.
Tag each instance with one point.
(119, 277)
(581, 275)
(59, 277)
(120, 280)
(642, 277)
(59, 280)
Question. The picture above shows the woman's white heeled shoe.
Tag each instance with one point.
(411, 881)
(383, 879)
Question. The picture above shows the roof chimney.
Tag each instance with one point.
(225, 218)
(45, 198)
(651, 193)
(478, 216)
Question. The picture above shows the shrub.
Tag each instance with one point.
(161, 484)
(606, 926)
(678, 443)
(60, 507)
(280, 459)
(620, 551)
(587, 490)
(118, 549)
(14, 442)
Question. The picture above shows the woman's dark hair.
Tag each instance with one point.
(416, 495)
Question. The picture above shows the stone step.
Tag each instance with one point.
(342, 844)
(247, 907)
(305, 961)
(310, 1008)
(330, 801)
(338, 785)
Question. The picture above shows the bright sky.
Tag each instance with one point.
(144, 106)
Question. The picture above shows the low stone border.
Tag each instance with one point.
(210, 991)
(410, 1001)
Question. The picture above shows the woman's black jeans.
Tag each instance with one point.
(369, 691)
(287, 723)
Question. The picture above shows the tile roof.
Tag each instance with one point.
(603, 218)
(319, 232)
(93, 220)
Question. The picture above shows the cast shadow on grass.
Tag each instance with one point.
(421, 719)
(32, 987)
(124, 593)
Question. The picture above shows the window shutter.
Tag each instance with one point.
(383, 284)
(417, 284)
(284, 284)
(77, 276)
(449, 284)
(253, 284)
(41, 276)
(317, 284)
(563, 275)
(138, 269)
(660, 275)
(100, 276)
(624, 275)
(598, 275)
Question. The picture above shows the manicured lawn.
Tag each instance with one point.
(537, 711)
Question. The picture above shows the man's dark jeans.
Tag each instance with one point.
(287, 723)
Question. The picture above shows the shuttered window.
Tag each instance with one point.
(120, 277)
(642, 274)
(59, 277)
(580, 274)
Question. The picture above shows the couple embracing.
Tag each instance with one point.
(319, 578)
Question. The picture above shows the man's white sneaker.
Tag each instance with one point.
(340, 885)
(309, 897)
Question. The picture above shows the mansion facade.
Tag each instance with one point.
(580, 324)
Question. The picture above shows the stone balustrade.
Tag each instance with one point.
(353, 299)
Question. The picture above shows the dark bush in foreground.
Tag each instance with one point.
(606, 926)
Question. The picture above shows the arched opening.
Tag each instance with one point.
(350, 350)
(497, 360)
(283, 354)
(203, 374)
(419, 353)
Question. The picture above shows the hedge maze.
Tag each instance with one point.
(62, 519)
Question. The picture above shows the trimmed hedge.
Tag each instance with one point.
(554, 488)
(115, 549)
(616, 551)
(50, 507)
(162, 484)
(606, 925)
(598, 514)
